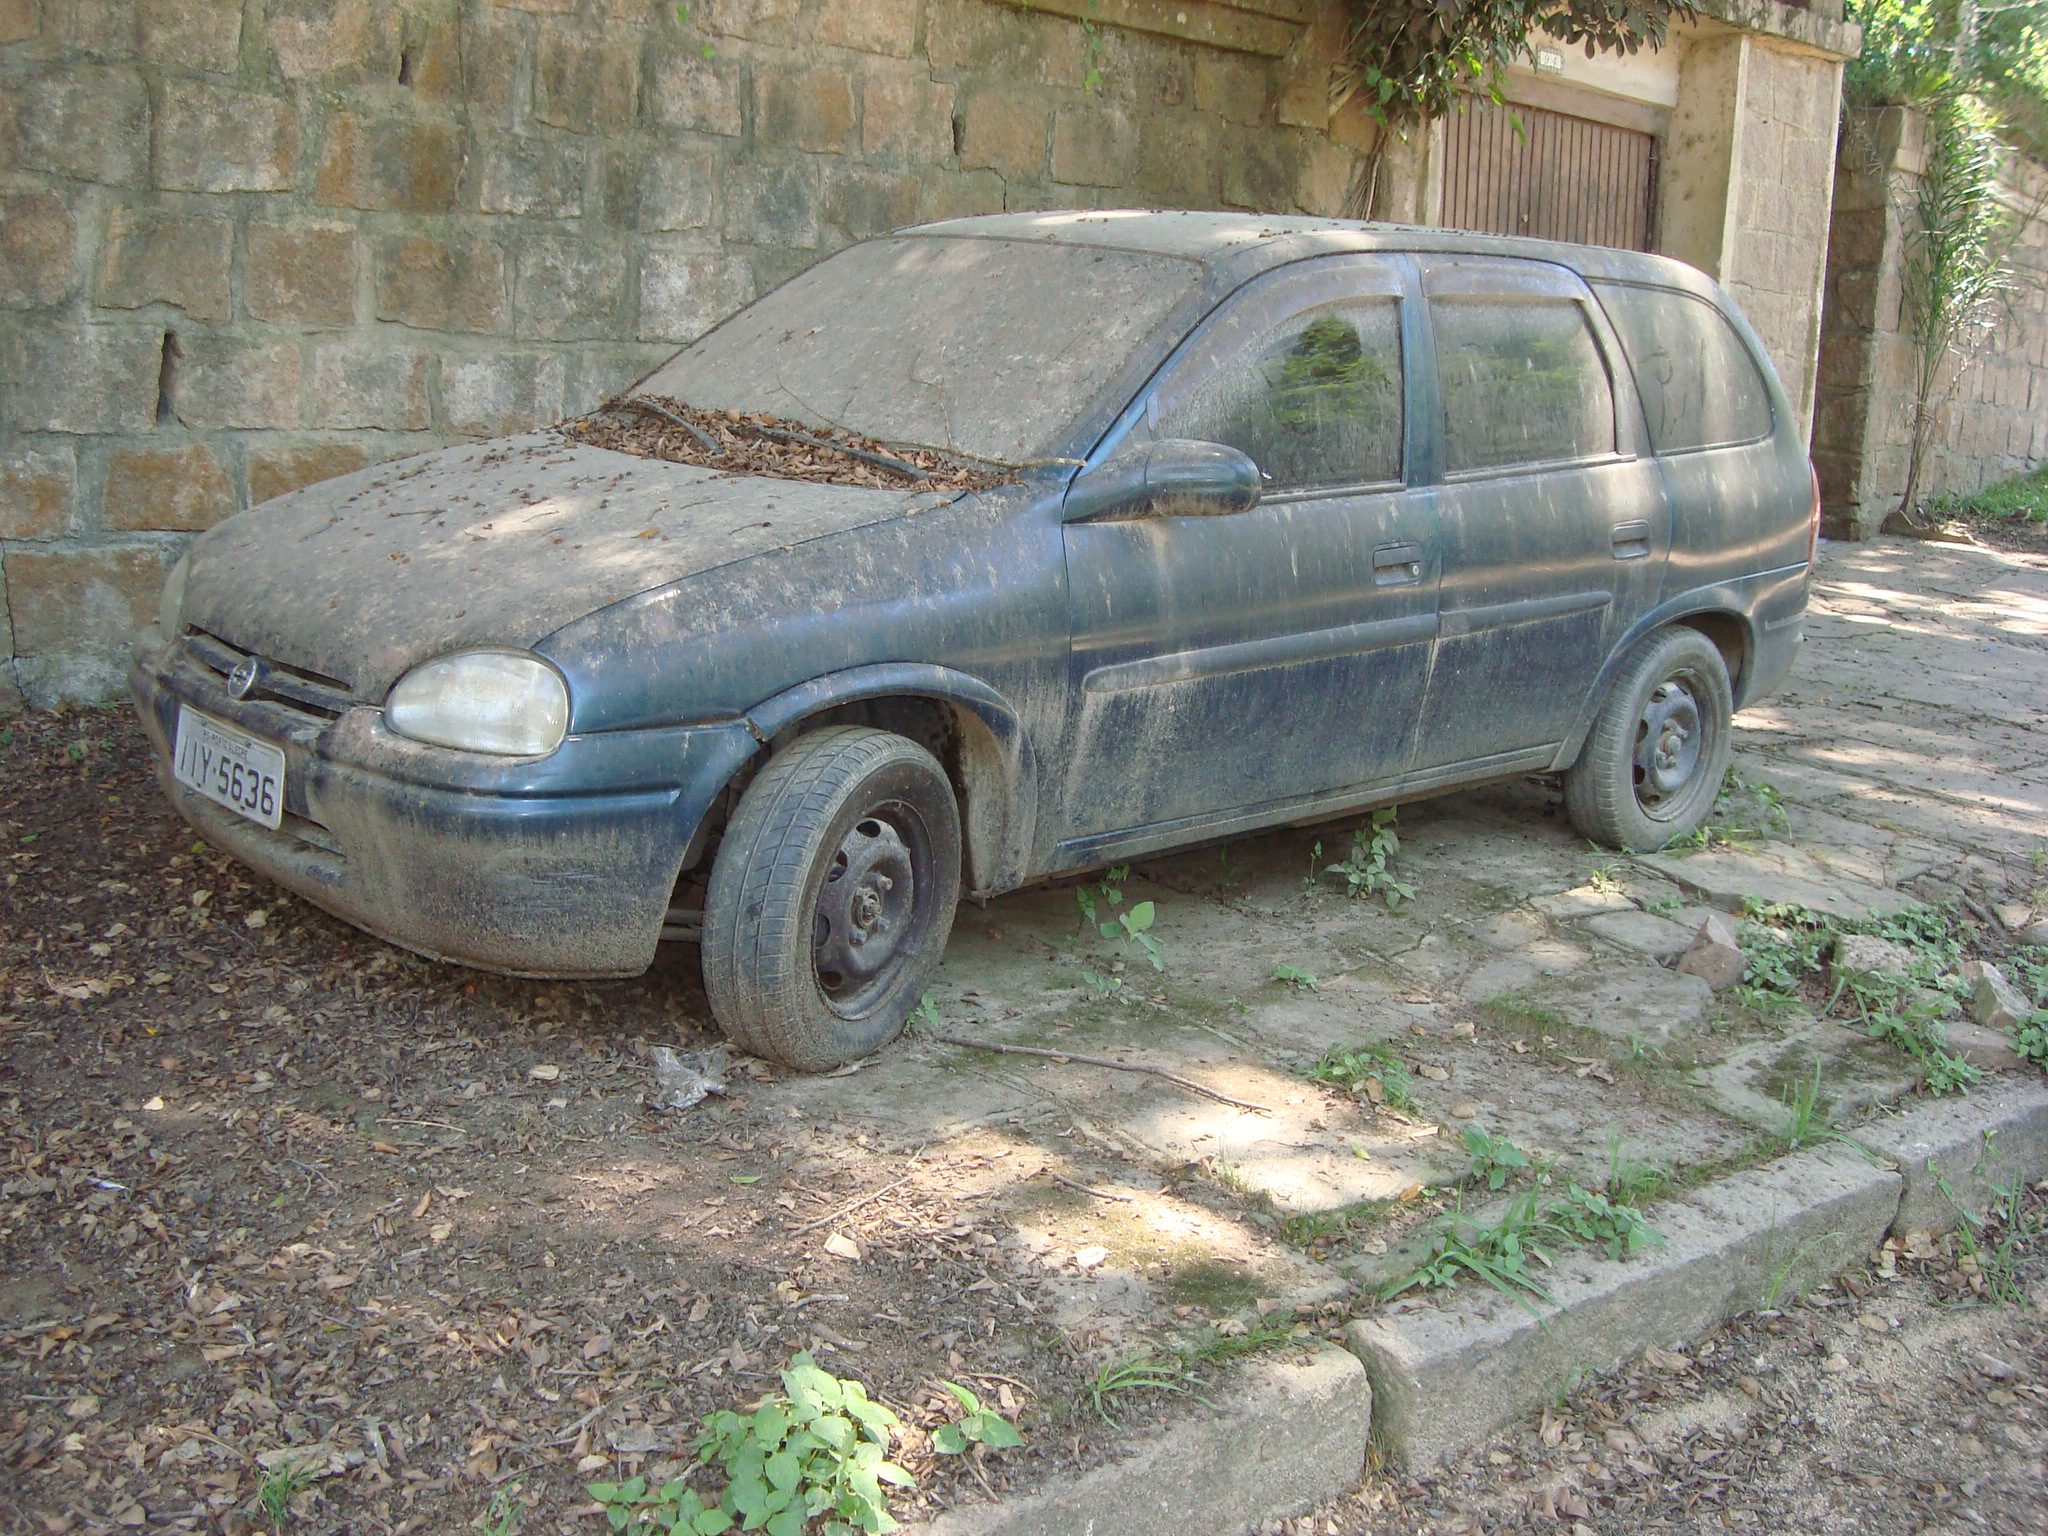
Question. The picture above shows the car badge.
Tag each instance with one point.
(242, 681)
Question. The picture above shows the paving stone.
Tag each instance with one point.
(1729, 877)
(1633, 1004)
(1866, 954)
(1995, 1002)
(1756, 1082)
(1446, 1376)
(1976, 1144)
(1658, 937)
(1292, 1431)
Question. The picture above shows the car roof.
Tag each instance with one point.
(1238, 246)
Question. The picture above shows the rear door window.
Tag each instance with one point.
(1523, 382)
(1699, 385)
(1315, 401)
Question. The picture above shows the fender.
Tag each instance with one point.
(996, 760)
(1742, 601)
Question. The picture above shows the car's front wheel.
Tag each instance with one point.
(1652, 765)
(831, 897)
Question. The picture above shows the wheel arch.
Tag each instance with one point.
(1713, 615)
(966, 724)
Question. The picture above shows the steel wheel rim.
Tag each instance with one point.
(871, 909)
(1672, 740)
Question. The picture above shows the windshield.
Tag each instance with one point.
(991, 348)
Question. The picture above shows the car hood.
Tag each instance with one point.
(495, 544)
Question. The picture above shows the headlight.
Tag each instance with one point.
(482, 701)
(170, 608)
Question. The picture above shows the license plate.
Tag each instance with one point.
(229, 767)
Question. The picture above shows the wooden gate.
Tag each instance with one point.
(1559, 178)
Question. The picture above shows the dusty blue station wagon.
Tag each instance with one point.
(1289, 518)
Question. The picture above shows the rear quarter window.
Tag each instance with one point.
(1699, 385)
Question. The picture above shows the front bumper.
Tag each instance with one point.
(559, 866)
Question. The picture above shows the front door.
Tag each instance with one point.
(1554, 524)
(1223, 666)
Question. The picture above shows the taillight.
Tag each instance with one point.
(1813, 528)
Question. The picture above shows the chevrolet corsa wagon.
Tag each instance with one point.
(1286, 518)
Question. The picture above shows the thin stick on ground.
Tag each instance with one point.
(853, 1205)
(1102, 1061)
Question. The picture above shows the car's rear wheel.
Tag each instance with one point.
(1653, 763)
(831, 897)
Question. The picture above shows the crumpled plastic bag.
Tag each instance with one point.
(684, 1079)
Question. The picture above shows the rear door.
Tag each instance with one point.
(1552, 519)
(1223, 664)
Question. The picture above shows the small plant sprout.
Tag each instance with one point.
(1373, 1070)
(1102, 908)
(927, 1014)
(279, 1486)
(977, 1425)
(1368, 869)
(1142, 1373)
(1294, 976)
(1495, 1159)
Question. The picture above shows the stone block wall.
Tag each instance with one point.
(245, 246)
(1994, 424)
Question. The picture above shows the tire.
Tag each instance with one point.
(831, 897)
(1653, 763)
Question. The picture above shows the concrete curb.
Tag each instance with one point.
(1293, 1433)
(1444, 1381)
(1977, 1146)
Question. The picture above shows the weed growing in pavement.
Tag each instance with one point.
(1368, 868)
(1295, 977)
(1140, 1373)
(818, 1450)
(278, 1487)
(1373, 1069)
(1746, 812)
(1502, 1253)
(1619, 1231)
(1630, 1182)
(977, 1425)
(1100, 907)
(1214, 1346)
(1495, 1159)
(1313, 1228)
(1605, 881)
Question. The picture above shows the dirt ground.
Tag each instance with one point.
(271, 1190)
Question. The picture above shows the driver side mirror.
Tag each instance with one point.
(1175, 477)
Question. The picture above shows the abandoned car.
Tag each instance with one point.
(1167, 527)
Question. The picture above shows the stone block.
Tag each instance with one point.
(1179, 156)
(351, 383)
(501, 392)
(328, 39)
(404, 164)
(1234, 86)
(100, 29)
(20, 20)
(1095, 145)
(944, 193)
(301, 274)
(1976, 1145)
(80, 600)
(773, 203)
(1715, 953)
(866, 26)
(276, 468)
(183, 489)
(217, 138)
(153, 257)
(456, 284)
(37, 487)
(996, 42)
(866, 203)
(38, 266)
(1995, 1002)
(232, 381)
(493, 84)
(679, 188)
(1323, 183)
(585, 83)
(690, 91)
(1446, 1378)
(1004, 131)
(191, 34)
(86, 121)
(906, 115)
(569, 289)
(1865, 954)
(79, 378)
(684, 293)
(529, 175)
(809, 109)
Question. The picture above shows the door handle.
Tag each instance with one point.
(1396, 565)
(1631, 541)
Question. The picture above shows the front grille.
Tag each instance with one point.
(322, 698)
